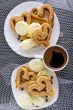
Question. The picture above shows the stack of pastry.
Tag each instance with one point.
(35, 25)
(37, 80)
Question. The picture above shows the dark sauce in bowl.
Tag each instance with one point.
(55, 57)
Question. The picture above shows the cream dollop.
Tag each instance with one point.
(33, 27)
(36, 65)
(26, 44)
(38, 101)
(21, 28)
(25, 100)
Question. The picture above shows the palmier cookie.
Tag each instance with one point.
(37, 19)
(34, 11)
(44, 11)
(43, 36)
(49, 9)
(41, 87)
(46, 28)
(14, 20)
(27, 17)
(24, 77)
(40, 37)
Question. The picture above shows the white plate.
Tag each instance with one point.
(17, 93)
(10, 36)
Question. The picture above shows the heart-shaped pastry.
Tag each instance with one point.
(27, 17)
(41, 87)
(45, 12)
(13, 21)
(24, 76)
(42, 36)
(35, 18)
(46, 8)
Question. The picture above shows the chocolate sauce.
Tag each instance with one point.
(57, 59)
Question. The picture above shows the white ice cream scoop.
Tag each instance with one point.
(21, 28)
(36, 65)
(27, 44)
(33, 27)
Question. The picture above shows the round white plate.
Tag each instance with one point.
(18, 93)
(10, 36)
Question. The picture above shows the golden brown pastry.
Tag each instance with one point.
(34, 11)
(42, 36)
(42, 11)
(24, 76)
(26, 16)
(14, 20)
(45, 13)
(41, 87)
(37, 19)
(46, 28)
(21, 38)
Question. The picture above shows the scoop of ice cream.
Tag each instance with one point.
(32, 27)
(36, 65)
(38, 101)
(44, 72)
(25, 101)
(26, 44)
(21, 28)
